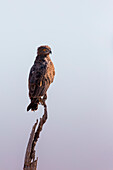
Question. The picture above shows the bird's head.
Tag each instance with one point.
(44, 50)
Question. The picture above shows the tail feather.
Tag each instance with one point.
(33, 105)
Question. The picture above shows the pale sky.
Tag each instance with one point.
(79, 132)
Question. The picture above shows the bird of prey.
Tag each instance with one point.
(40, 77)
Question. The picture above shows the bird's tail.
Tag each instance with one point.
(33, 105)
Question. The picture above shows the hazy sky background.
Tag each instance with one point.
(79, 132)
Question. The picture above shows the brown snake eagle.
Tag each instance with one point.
(40, 77)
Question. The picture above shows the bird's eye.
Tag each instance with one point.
(44, 49)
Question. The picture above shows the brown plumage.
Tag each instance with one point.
(40, 77)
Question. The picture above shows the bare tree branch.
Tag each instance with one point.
(30, 162)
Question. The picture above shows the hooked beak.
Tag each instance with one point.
(50, 52)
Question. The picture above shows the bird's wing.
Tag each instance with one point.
(40, 78)
(36, 78)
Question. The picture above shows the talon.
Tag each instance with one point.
(41, 101)
(45, 96)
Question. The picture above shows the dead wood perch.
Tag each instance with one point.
(30, 162)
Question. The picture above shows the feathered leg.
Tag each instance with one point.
(42, 100)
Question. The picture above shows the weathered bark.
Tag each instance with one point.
(30, 162)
